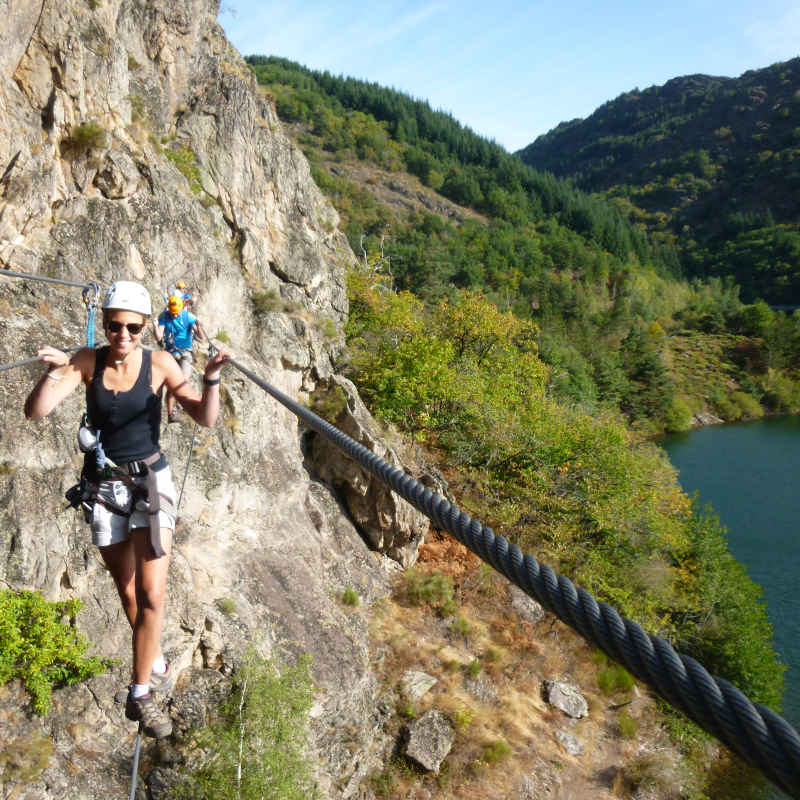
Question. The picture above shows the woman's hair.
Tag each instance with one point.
(109, 311)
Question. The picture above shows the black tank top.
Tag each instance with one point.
(128, 423)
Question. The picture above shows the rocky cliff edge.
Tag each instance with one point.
(134, 143)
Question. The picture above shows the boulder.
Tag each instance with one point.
(524, 606)
(566, 698)
(417, 684)
(429, 739)
(572, 745)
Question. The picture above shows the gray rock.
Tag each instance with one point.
(480, 688)
(570, 742)
(429, 739)
(705, 418)
(524, 606)
(566, 698)
(417, 684)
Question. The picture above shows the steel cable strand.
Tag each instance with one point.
(757, 734)
(740, 724)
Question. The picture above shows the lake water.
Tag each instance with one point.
(750, 473)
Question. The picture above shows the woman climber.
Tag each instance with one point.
(128, 491)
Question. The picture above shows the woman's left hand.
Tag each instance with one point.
(214, 367)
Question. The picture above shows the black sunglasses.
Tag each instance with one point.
(134, 328)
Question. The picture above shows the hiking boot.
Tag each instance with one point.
(172, 417)
(159, 682)
(144, 709)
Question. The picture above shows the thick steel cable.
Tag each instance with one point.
(25, 275)
(755, 733)
(34, 359)
(135, 769)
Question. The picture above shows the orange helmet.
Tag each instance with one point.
(175, 304)
(181, 285)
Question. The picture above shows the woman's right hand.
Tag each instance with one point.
(53, 358)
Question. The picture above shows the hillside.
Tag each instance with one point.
(708, 165)
(604, 296)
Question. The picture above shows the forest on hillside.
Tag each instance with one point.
(530, 337)
(709, 167)
(619, 325)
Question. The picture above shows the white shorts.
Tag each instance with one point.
(110, 528)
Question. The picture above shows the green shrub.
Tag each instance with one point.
(88, 135)
(678, 416)
(497, 751)
(223, 337)
(328, 404)
(463, 718)
(474, 668)
(428, 588)
(133, 64)
(628, 727)
(40, 645)
(613, 677)
(749, 407)
(267, 301)
(138, 110)
(227, 605)
(726, 410)
(261, 737)
(327, 327)
(184, 159)
(461, 626)
(350, 597)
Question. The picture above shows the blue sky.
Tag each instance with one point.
(514, 70)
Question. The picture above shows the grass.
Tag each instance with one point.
(614, 678)
(133, 64)
(184, 159)
(227, 605)
(268, 301)
(627, 726)
(88, 135)
(350, 597)
(223, 337)
(428, 588)
(328, 404)
(474, 669)
(461, 626)
(496, 752)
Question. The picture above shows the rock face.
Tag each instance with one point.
(429, 739)
(566, 698)
(93, 100)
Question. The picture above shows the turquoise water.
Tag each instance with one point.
(750, 473)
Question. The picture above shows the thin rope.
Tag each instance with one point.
(186, 473)
(135, 769)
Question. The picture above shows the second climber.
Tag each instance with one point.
(177, 327)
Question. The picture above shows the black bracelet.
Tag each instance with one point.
(207, 382)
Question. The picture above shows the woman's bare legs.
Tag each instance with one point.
(150, 583)
(120, 559)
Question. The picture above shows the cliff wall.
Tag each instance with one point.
(97, 104)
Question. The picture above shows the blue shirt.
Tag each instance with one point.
(178, 330)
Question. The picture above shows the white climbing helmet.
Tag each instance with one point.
(128, 296)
